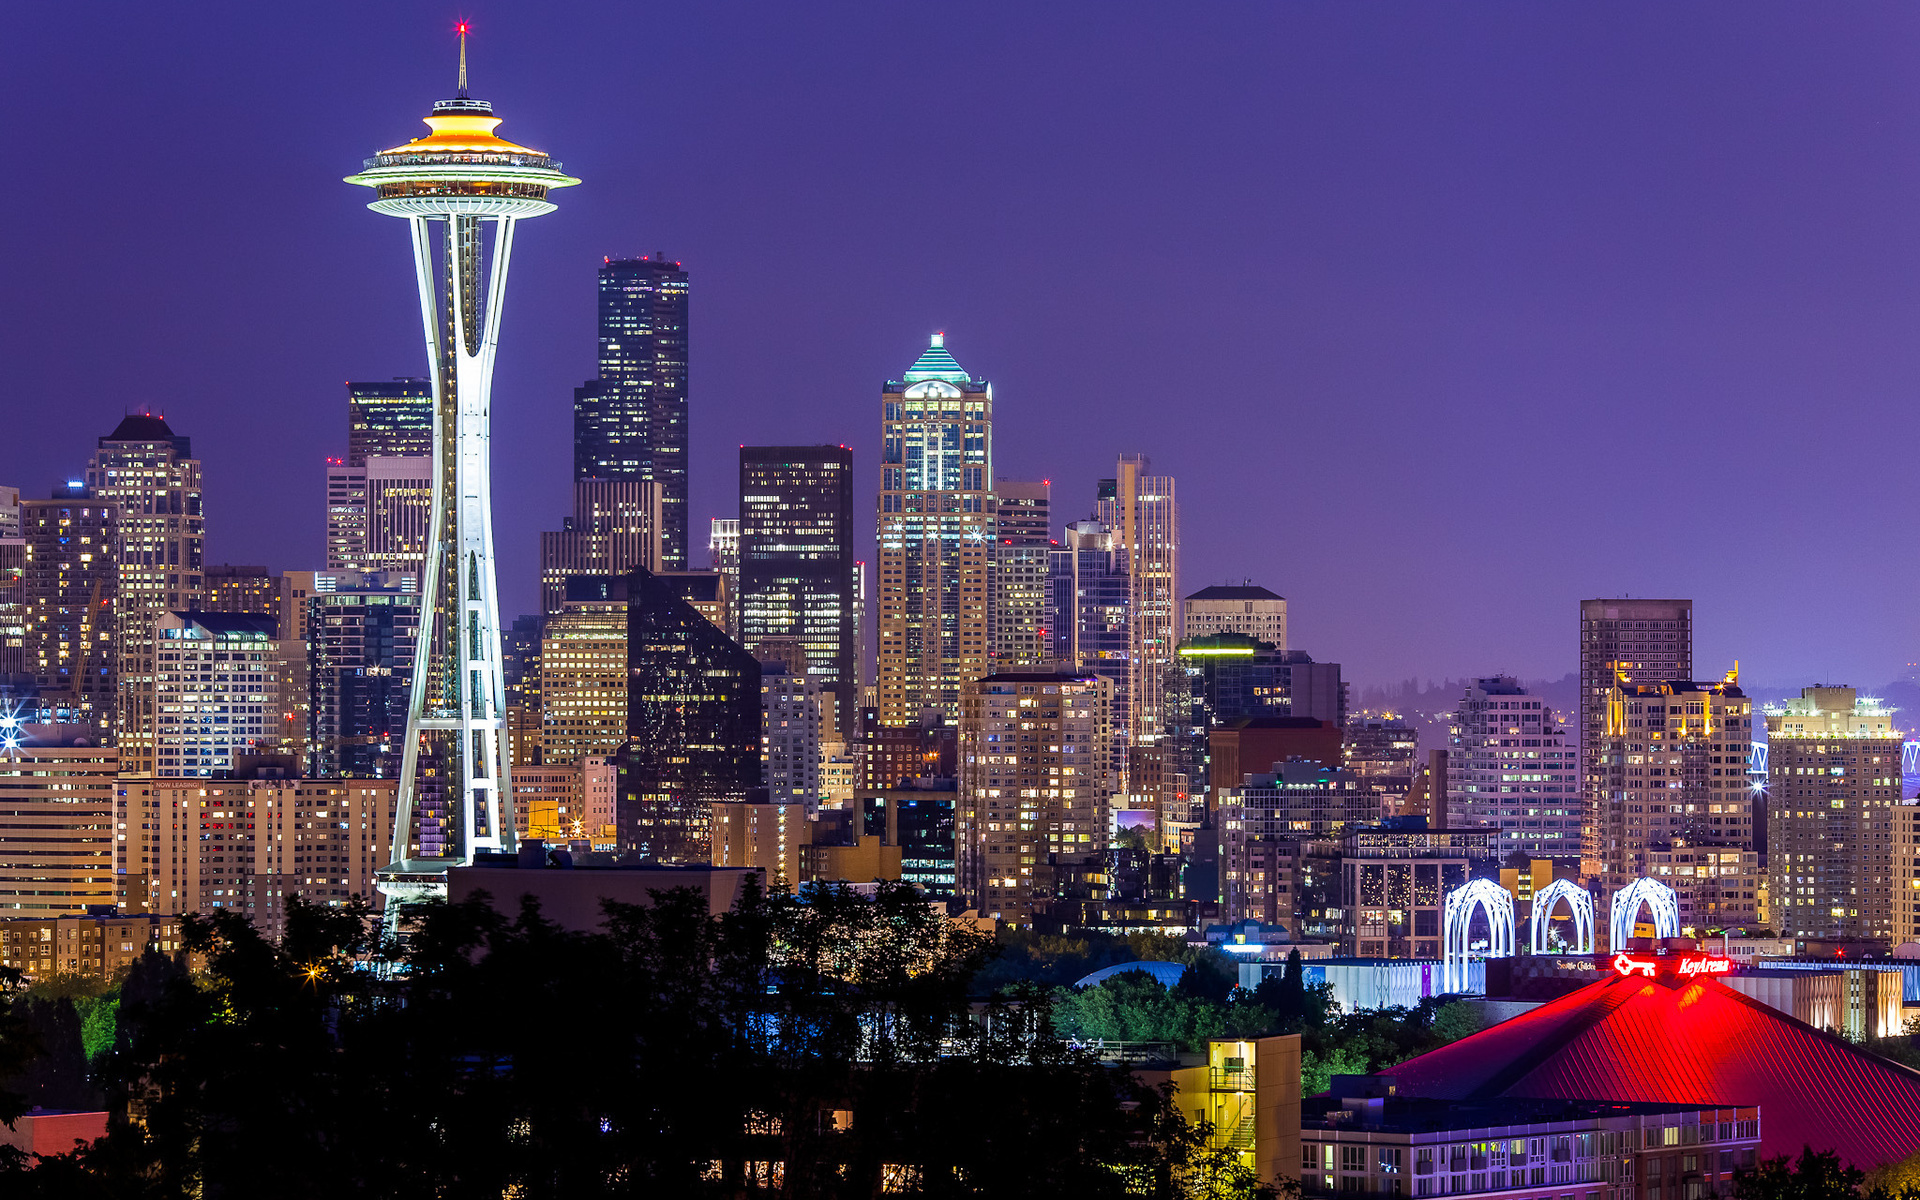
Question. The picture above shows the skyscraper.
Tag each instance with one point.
(583, 680)
(389, 420)
(1238, 608)
(1672, 758)
(796, 556)
(1032, 806)
(723, 552)
(1623, 641)
(631, 422)
(936, 526)
(614, 528)
(1021, 599)
(693, 720)
(71, 582)
(1510, 768)
(213, 687)
(149, 473)
(1139, 507)
(360, 642)
(1833, 797)
(450, 186)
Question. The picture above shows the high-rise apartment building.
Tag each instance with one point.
(235, 589)
(1833, 807)
(9, 511)
(583, 679)
(248, 845)
(1383, 753)
(213, 687)
(1672, 760)
(1263, 823)
(1623, 641)
(796, 557)
(150, 475)
(392, 419)
(1511, 767)
(1237, 608)
(360, 648)
(1139, 507)
(631, 422)
(56, 800)
(1022, 596)
(614, 528)
(693, 721)
(1033, 799)
(71, 586)
(790, 743)
(936, 527)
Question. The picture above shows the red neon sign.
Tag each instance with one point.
(1628, 965)
(1686, 966)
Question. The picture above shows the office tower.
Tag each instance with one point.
(708, 593)
(919, 819)
(1139, 507)
(13, 607)
(231, 589)
(1672, 759)
(458, 181)
(71, 584)
(631, 422)
(520, 659)
(1032, 807)
(247, 845)
(389, 420)
(1833, 799)
(1022, 597)
(1233, 680)
(723, 552)
(796, 556)
(693, 721)
(1510, 767)
(1089, 614)
(614, 528)
(213, 684)
(936, 527)
(346, 515)
(790, 745)
(1243, 608)
(583, 680)
(1382, 754)
(361, 640)
(56, 799)
(151, 476)
(862, 614)
(1622, 641)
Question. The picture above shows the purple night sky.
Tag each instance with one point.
(1443, 316)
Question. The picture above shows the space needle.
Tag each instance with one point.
(455, 798)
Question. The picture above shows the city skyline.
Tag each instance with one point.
(1691, 307)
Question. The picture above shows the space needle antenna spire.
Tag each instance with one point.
(461, 189)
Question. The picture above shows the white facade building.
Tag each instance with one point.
(1511, 766)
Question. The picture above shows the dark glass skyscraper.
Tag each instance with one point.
(693, 718)
(631, 422)
(389, 419)
(796, 555)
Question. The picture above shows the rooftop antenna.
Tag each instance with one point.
(462, 29)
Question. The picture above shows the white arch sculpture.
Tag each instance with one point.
(1461, 901)
(1578, 899)
(1626, 907)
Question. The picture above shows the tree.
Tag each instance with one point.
(1817, 1176)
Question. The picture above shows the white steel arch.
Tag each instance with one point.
(1458, 917)
(1578, 900)
(1626, 908)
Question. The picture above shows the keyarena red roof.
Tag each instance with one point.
(1695, 1042)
